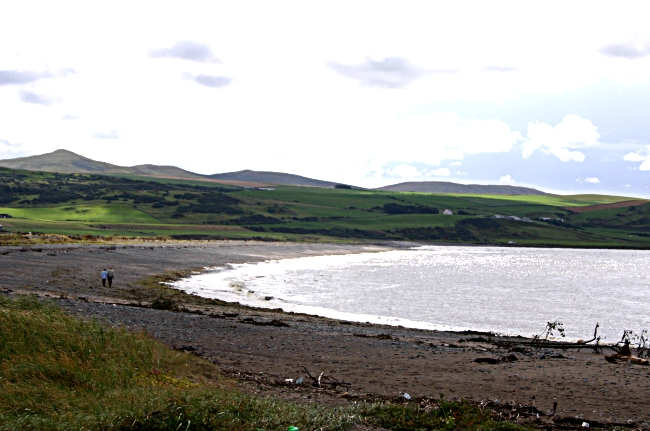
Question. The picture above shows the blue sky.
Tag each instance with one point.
(548, 94)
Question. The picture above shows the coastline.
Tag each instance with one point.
(377, 360)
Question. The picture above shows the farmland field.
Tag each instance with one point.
(142, 206)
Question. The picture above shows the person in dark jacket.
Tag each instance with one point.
(109, 276)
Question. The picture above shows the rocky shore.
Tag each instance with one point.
(267, 349)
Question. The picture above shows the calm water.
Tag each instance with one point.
(505, 290)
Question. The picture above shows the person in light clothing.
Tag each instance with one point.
(104, 275)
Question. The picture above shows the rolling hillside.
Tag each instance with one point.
(454, 188)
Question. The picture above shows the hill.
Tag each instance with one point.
(271, 178)
(454, 188)
(123, 205)
(64, 161)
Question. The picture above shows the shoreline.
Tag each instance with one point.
(238, 285)
(380, 360)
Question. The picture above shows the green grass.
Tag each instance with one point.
(97, 212)
(555, 200)
(127, 206)
(61, 373)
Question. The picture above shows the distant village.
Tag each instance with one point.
(515, 218)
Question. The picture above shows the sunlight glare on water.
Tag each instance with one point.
(503, 290)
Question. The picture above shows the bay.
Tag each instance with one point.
(512, 291)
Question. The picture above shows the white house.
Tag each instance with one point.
(447, 212)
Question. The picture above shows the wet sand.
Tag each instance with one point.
(377, 361)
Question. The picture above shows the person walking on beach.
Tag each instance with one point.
(110, 275)
(104, 275)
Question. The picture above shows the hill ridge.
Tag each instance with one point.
(65, 161)
(449, 187)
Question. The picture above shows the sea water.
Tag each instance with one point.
(512, 291)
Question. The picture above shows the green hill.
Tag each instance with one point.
(189, 209)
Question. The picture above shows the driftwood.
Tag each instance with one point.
(538, 341)
(615, 358)
(325, 381)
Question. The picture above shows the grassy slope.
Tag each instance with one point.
(104, 213)
(127, 205)
(558, 200)
(60, 373)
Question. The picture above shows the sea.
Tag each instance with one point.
(504, 290)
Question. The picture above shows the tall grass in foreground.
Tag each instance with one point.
(60, 373)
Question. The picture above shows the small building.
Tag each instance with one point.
(447, 212)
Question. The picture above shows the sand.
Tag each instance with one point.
(378, 362)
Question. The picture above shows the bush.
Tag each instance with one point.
(392, 208)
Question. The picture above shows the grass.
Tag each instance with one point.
(145, 207)
(556, 200)
(61, 373)
(104, 213)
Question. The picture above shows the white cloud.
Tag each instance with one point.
(111, 134)
(404, 171)
(293, 113)
(592, 180)
(571, 133)
(442, 172)
(393, 72)
(187, 50)
(634, 157)
(437, 137)
(506, 179)
(641, 156)
(632, 49)
(455, 164)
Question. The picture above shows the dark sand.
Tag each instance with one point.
(377, 361)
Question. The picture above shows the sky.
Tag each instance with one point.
(549, 94)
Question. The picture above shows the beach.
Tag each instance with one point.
(264, 348)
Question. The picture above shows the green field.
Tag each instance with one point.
(141, 206)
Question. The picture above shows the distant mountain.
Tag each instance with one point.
(270, 178)
(65, 161)
(447, 187)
